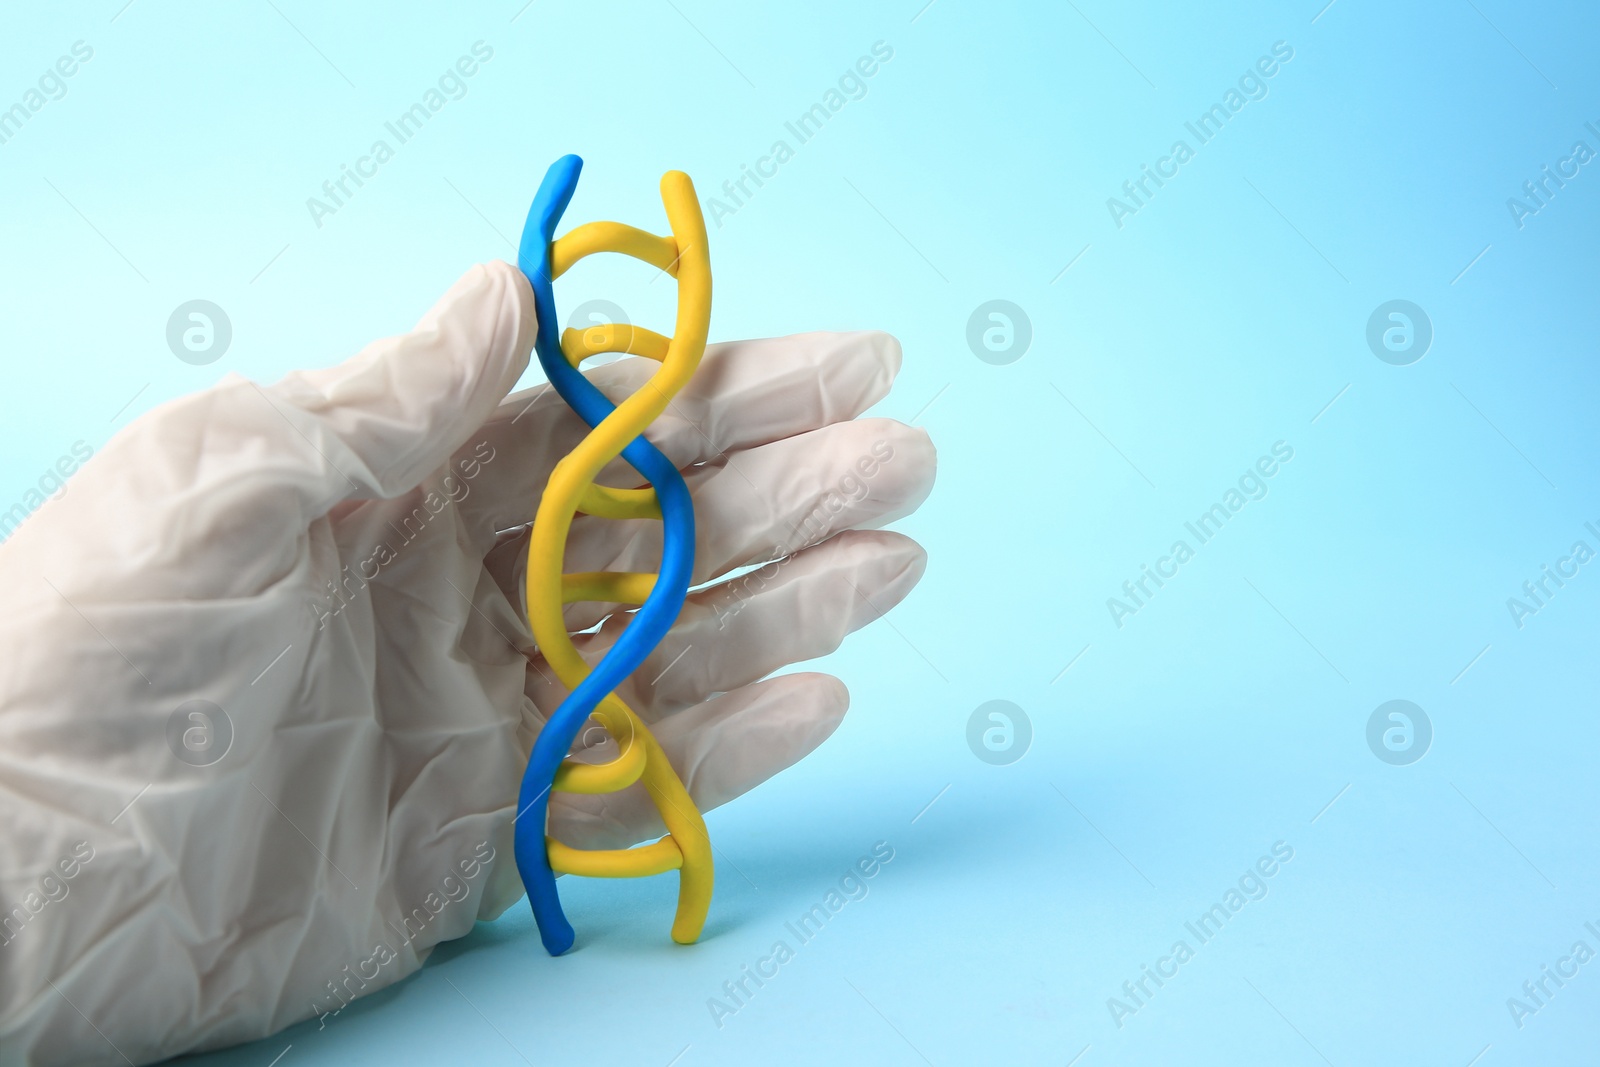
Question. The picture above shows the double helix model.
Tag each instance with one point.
(615, 430)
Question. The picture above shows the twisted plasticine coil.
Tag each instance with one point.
(616, 430)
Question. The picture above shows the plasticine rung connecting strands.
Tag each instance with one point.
(615, 430)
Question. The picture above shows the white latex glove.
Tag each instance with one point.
(361, 812)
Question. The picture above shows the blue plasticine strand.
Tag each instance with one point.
(654, 617)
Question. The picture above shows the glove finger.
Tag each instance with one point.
(769, 502)
(745, 393)
(762, 504)
(734, 633)
(721, 749)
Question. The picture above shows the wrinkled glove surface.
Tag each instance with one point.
(267, 690)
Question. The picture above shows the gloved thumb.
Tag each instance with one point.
(380, 422)
(224, 472)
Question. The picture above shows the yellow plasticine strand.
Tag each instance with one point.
(617, 587)
(579, 345)
(657, 858)
(594, 237)
(605, 502)
(596, 778)
(686, 847)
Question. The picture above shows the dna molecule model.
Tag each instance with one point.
(615, 430)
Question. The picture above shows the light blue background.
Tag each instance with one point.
(1224, 316)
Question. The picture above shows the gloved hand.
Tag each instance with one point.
(267, 691)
